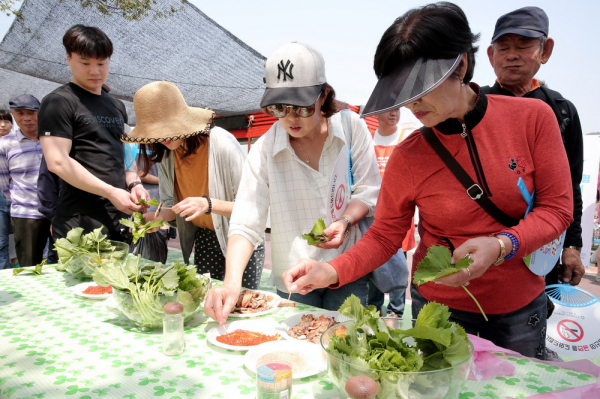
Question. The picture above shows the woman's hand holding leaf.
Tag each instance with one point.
(438, 265)
(483, 251)
(335, 233)
(191, 207)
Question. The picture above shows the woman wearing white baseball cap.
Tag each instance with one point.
(287, 176)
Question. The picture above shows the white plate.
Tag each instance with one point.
(295, 319)
(273, 302)
(306, 359)
(79, 288)
(261, 326)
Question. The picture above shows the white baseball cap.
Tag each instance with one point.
(295, 74)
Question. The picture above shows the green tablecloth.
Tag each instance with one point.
(54, 344)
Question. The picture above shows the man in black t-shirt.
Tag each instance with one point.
(79, 126)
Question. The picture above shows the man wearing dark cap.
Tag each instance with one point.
(20, 156)
(520, 45)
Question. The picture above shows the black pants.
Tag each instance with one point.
(61, 225)
(31, 236)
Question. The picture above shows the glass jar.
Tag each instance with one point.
(273, 379)
(173, 339)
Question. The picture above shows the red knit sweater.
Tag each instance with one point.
(514, 137)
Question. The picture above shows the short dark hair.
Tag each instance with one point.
(434, 31)
(155, 152)
(5, 115)
(328, 108)
(87, 41)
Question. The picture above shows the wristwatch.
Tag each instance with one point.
(133, 184)
(502, 252)
(578, 249)
(348, 225)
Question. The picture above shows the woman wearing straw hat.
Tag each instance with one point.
(200, 167)
(287, 177)
(425, 61)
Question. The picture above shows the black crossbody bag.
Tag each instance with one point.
(474, 191)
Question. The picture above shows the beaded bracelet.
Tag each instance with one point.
(515, 244)
(208, 212)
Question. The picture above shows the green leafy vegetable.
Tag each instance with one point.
(316, 236)
(78, 252)
(139, 226)
(152, 202)
(434, 343)
(146, 281)
(36, 271)
(437, 264)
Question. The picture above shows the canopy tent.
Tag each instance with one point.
(211, 67)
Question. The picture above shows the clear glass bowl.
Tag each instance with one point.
(83, 265)
(438, 384)
(149, 312)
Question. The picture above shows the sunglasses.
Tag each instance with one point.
(281, 110)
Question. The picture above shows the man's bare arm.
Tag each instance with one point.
(56, 151)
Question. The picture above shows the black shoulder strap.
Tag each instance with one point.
(474, 191)
(562, 123)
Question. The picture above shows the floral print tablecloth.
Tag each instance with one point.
(54, 344)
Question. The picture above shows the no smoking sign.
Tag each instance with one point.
(574, 332)
(569, 330)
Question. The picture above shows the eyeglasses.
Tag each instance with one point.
(281, 110)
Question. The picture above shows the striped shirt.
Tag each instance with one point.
(276, 182)
(20, 159)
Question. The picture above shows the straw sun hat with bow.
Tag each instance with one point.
(163, 115)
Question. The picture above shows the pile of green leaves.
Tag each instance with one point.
(139, 226)
(316, 236)
(434, 343)
(76, 243)
(146, 281)
(436, 264)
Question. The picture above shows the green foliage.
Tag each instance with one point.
(436, 264)
(434, 343)
(152, 202)
(146, 281)
(316, 236)
(139, 226)
(93, 243)
(36, 271)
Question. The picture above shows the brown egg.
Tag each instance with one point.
(361, 387)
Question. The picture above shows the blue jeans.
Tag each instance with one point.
(523, 330)
(397, 297)
(397, 300)
(332, 299)
(4, 231)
